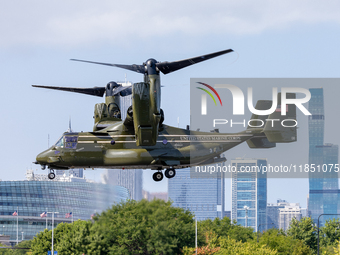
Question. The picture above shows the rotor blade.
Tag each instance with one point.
(134, 68)
(168, 67)
(96, 91)
(124, 91)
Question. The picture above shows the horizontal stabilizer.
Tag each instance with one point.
(262, 143)
(256, 120)
(282, 128)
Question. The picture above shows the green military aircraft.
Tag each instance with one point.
(142, 141)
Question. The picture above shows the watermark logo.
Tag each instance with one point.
(204, 97)
(238, 100)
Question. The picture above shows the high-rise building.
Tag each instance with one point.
(273, 213)
(202, 196)
(155, 195)
(249, 193)
(125, 102)
(286, 214)
(132, 179)
(323, 185)
(77, 172)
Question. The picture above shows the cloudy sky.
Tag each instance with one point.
(270, 38)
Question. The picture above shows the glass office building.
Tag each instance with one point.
(202, 196)
(323, 185)
(249, 193)
(132, 179)
(31, 198)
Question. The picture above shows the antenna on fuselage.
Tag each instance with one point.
(69, 130)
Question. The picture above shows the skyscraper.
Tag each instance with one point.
(132, 179)
(125, 103)
(249, 193)
(273, 212)
(323, 185)
(202, 196)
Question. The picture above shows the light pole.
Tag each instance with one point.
(46, 219)
(319, 226)
(196, 233)
(246, 208)
(52, 228)
(259, 228)
(3, 230)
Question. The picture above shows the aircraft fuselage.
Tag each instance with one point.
(115, 147)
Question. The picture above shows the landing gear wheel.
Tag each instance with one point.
(170, 173)
(51, 176)
(158, 176)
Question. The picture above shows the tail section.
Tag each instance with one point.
(282, 128)
(277, 128)
(260, 142)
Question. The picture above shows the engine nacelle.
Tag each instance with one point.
(146, 116)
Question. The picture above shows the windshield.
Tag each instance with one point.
(60, 142)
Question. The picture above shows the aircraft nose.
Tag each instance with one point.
(42, 158)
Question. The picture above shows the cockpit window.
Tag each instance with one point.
(60, 142)
(71, 142)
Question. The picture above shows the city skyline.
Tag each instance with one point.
(298, 40)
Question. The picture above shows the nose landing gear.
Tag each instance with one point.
(169, 173)
(51, 175)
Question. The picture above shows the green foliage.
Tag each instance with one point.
(158, 228)
(41, 243)
(143, 228)
(283, 244)
(330, 233)
(224, 227)
(72, 238)
(231, 247)
(211, 248)
(127, 228)
(304, 230)
(336, 249)
(24, 244)
(68, 239)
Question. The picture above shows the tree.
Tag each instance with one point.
(41, 243)
(330, 233)
(23, 244)
(127, 228)
(211, 247)
(224, 227)
(68, 239)
(336, 249)
(231, 246)
(283, 244)
(142, 228)
(304, 230)
(227, 245)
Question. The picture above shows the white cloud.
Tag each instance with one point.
(74, 22)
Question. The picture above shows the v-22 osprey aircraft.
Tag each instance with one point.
(142, 140)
